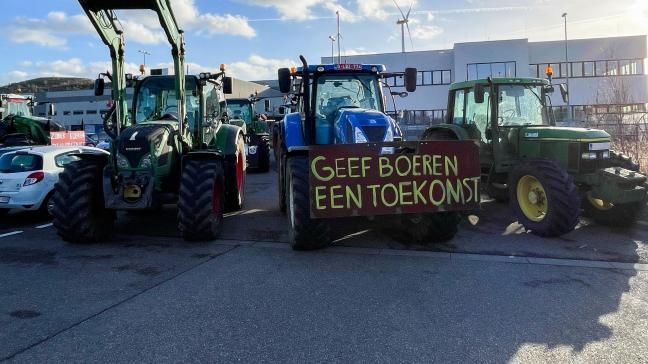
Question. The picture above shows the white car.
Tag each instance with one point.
(28, 176)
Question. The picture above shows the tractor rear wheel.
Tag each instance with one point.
(78, 207)
(201, 202)
(304, 233)
(281, 177)
(544, 198)
(431, 228)
(235, 175)
(606, 213)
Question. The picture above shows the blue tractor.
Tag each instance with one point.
(340, 104)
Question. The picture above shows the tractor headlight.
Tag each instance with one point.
(146, 162)
(606, 154)
(389, 136)
(252, 149)
(359, 136)
(122, 162)
(589, 155)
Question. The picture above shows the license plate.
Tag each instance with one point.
(4, 199)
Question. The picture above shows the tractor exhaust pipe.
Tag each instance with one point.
(310, 121)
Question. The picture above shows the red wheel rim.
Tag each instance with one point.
(216, 198)
(239, 172)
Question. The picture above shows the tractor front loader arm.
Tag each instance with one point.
(102, 15)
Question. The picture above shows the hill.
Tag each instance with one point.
(44, 84)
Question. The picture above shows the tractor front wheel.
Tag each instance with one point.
(235, 175)
(607, 213)
(201, 202)
(431, 228)
(78, 206)
(544, 198)
(304, 233)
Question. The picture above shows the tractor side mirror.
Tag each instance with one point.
(51, 109)
(564, 92)
(99, 86)
(411, 76)
(227, 85)
(284, 80)
(479, 94)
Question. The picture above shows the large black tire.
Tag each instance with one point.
(235, 176)
(431, 228)
(79, 211)
(438, 134)
(304, 233)
(201, 202)
(498, 191)
(281, 182)
(561, 198)
(263, 150)
(622, 215)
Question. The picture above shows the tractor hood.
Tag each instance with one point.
(373, 125)
(563, 133)
(136, 141)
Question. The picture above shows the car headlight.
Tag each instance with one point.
(606, 154)
(146, 162)
(122, 162)
(359, 136)
(252, 149)
(589, 155)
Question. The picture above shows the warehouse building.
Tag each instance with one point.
(606, 75)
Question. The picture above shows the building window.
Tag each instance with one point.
(66, 113)
(424, 78)
(476, 71)
(599, 68)
(78, 112)
(91, 112)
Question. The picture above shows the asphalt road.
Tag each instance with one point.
(493, 294)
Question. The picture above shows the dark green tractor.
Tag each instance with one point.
(18, 125)
(549, 173)
(173, 147)
(241, 112)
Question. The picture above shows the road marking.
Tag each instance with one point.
(44, 226)
(10, 234)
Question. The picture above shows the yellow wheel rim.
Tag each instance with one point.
(598, 203)
(532, 198)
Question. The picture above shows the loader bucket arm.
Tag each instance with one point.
(101, 14)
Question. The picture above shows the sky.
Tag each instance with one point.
(255, 37)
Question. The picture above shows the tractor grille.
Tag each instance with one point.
(375, 133)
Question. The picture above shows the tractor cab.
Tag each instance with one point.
(18, 125)
(16, 105)
(345, 103)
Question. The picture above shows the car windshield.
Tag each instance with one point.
(16, 163)
(240, 110)
(520, 105)
(157, 97)
(18, 107)
(335, 92)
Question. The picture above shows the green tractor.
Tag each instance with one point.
(548, 173)
(174, 147)
(18, 125)
(241, 112)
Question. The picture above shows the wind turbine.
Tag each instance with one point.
(404, 22)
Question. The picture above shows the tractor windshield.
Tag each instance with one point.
(240, 110)
(335, 92)
(520, 105)
(156, 99)
(18, 107)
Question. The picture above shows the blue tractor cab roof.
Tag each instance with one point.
(344, 67)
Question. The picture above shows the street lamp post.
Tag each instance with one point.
(569, 111)
(144, 53)
(333, 39)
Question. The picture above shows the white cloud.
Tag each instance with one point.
(227, 24)
(49, 31)
(257, 67)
